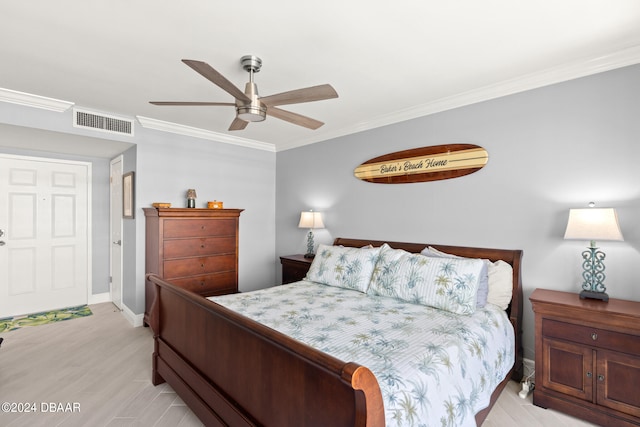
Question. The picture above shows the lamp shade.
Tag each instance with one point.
(593, 224)
(310, 220)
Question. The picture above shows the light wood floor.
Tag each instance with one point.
(103, 365)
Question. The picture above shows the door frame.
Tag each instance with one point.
(119, 158)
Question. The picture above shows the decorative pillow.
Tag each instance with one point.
(444, 283)
(500, 284)
(483, 288)
(500, 281)
(343, 267)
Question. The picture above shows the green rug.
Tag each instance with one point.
(13, 323)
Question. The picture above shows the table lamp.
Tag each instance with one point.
(310, 220)
(593, 224)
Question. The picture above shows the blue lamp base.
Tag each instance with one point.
(310, 245)
(593, 274)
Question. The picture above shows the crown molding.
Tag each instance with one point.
(36, 101)
(565, 72)
(194, 132)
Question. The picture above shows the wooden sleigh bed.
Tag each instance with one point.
(231, 370)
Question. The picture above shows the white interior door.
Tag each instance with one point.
(45, 218)
(116, 232)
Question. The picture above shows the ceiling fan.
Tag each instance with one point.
(250, 107)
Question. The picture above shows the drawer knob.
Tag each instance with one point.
(202, 227)
(600, 378)
(202, 283)
(202, 265)
(202, 245)
(589, 374)
(594, 336)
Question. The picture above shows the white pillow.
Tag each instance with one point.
(483, 287)
(500, 284)
(445, 283)
(343, 267)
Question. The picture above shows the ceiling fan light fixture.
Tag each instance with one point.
(255, 111)
(251, 113)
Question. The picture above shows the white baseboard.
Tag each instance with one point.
(135, 319)
(99, 298)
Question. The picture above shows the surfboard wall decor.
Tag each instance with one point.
(424, 164)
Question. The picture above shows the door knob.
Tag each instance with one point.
(1, 232)
(2, 243)
(119, 243)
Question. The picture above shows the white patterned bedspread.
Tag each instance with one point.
(434, 368)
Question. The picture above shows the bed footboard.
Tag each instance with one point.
(233, 371)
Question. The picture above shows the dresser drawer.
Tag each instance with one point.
(183, 248)
(594, 337)
(199, 227)
(210, 284)
(199, 265)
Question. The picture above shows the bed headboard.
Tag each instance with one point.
(512, 257)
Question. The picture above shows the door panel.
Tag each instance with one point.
(22, 277)
(570, 368)
(116, 232)
(44, 211)
(618, 379)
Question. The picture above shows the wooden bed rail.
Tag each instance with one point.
(260, 376)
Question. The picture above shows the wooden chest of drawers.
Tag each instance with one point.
(196, 249)
(588, 357)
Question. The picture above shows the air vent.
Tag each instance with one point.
(102, 122)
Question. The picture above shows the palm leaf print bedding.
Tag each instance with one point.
(434, 368)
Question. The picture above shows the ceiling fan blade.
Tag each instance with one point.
(218, 79)
(238, 124)
(191, 103)
(295, 118)
(314, 93)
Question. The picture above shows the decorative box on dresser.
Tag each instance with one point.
(294, 267)
(196, 249)
(587, 357)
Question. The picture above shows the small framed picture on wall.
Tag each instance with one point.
(128, 195)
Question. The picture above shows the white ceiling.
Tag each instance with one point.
(388, 61)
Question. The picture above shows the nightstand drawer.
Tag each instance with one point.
(294, 273)
(591, 336)
(294, 267)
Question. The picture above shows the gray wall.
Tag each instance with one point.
(240, 177)
(166, 165)
(550, 149)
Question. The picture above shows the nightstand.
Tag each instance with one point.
(294, 267)
(587, 357)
